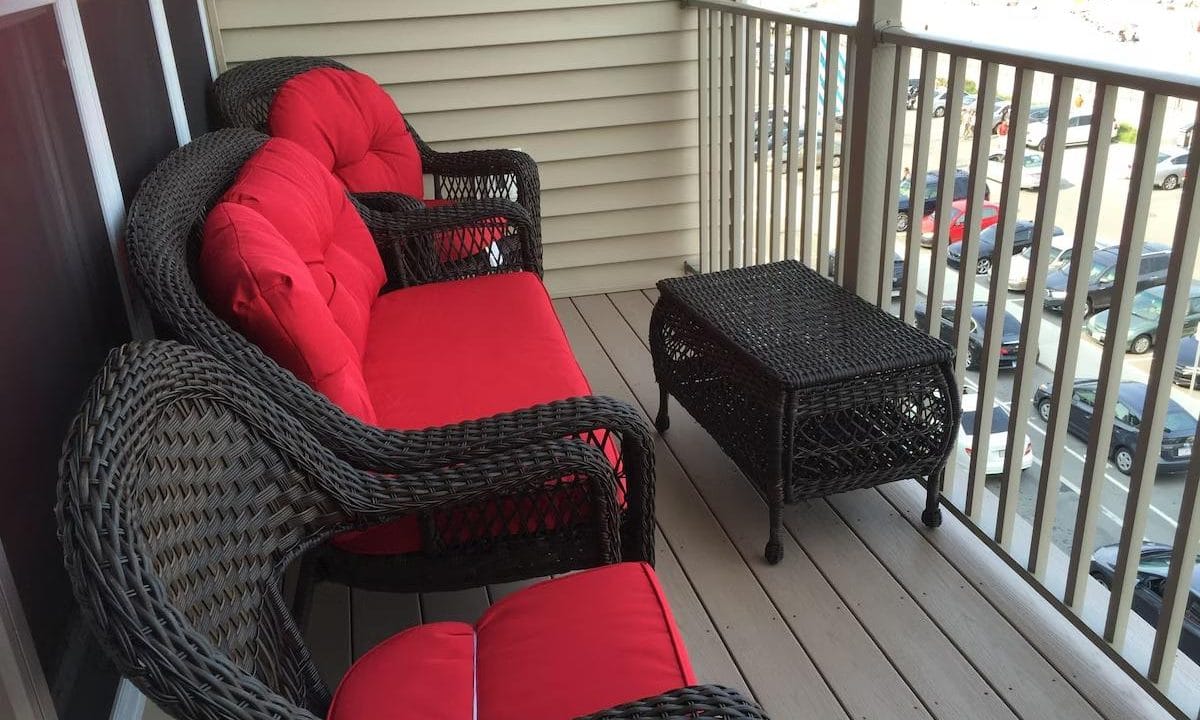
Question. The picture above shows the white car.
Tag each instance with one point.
(1018, 270)
(1031, 169)
(1168, 172)
(997, 442)
(1079, 129)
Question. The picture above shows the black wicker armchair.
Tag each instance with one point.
(163, 236)
(185, 493)
(474, 180)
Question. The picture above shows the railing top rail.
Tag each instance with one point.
(808, 21)
(1145, 79)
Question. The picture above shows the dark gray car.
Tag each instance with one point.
(1156, 258)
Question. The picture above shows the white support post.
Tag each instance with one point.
(871, 98)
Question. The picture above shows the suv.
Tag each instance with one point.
(961, 184)
(1079, 129)
(1151, 271)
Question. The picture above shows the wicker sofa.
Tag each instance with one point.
(185, 492)
(353, 127)
(458, 362)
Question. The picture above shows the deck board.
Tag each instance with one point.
(868, 616)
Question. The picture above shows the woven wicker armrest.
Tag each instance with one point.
(435, 244)
(388, 202)
(712, 702)
(485, 441)
(480, 164)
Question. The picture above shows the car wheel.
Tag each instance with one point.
(1123, 459)
(939, 111)
(1099, 578)
(1170, 182)
(901, 222)
(1088, 308)
(837, 161)
(1140, 345)
(1044, 410)
(1042, 145)
(972, 357)
(983, 266)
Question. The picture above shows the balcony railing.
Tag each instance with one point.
(802, 156)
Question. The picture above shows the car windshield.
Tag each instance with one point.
(1099, 267)
(999, 420)
(1163, 156)
(1033, 161)
(1147, 305)
(1179, 420)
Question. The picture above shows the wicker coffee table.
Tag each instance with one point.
(807, 387)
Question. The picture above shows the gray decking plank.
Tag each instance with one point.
(328, 632)
(774, 665)
(376, 616)
(1110, 689)
(454, 606)
(499, 591)
(1030, 684)
(876, 680)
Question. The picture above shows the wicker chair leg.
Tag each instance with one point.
(932, 515)
(774, 551)
(663, 421)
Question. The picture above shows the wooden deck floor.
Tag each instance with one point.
(869, 615)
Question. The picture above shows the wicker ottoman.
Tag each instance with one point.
(808, 388)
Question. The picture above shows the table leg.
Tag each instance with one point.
(932, 515)
(662, 422)
(774, 551)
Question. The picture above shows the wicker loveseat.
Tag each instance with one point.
(346, 120)
(454, 364)
(184, 494)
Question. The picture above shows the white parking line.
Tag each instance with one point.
(1075, 488)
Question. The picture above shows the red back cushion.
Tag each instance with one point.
(287, 260)
(352, 126)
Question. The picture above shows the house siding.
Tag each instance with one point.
(603, 95)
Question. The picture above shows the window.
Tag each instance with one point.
(1085, 396)
(948, 313)
(1193, 609)
(1194, 305)
(1154, 263)
(1125, 415)
(990, 212)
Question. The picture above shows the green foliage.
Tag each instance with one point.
(970, 87)
(1126, 133)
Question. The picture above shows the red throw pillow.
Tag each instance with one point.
(288, 262)
(352, 126)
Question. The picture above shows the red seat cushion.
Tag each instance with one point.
(446, 352)
(563, 648)
(287, 261)
(352, 126)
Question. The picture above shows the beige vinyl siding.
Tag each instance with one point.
(602, 94)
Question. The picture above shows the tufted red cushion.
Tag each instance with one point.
(560, 649)
(352, 126)
(287, 261)
(446, 352)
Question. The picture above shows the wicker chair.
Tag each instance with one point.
(163, 237)
(185, 493)
(242, 97)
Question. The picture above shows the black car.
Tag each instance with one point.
(1156, 258)
(1178, 429)
(1153, 567)
(897, 270)
(1187, 362)
(1010, 338)
(962, 181)
(1022, 238)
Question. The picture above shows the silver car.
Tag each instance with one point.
(1169, 171)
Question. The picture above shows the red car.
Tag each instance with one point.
(958, 221)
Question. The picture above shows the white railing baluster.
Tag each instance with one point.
(1187, 533)
(825, 212)
(916, 186)
(763, 105)
(1024, 381)
(809, 185)
(778, 158)
(981, 138)
(1091, 192)
(1154, 412)
(704, 98)
(891, 188)
(793, 245)
(740, 143)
